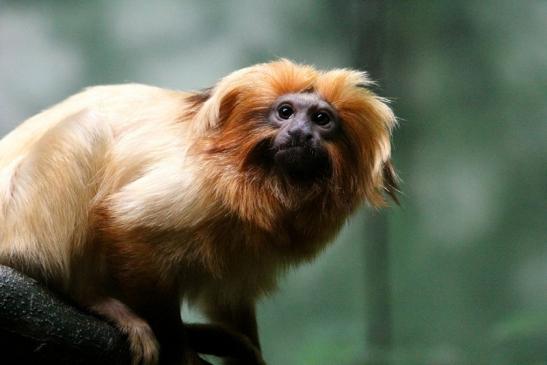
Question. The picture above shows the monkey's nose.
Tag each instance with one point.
(300, 136)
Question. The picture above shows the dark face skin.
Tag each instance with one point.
(305, 122)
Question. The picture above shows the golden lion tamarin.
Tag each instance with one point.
(130, 198)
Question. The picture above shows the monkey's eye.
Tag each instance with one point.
(285, 111)
(320, 118)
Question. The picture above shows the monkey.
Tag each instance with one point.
(130, 198)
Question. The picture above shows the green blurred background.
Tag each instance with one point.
(458, 273)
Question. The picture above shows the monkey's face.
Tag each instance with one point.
(291, 132)
(303, 123)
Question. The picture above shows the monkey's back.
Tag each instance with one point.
(57, 166)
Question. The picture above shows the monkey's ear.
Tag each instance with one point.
(221, 100)
(197, 99)
(216, 107)
(391, 181)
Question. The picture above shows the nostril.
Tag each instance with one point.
(294, 132)
(300, 135)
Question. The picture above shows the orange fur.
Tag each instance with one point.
(132, 192)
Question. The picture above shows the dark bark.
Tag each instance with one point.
(37, 327)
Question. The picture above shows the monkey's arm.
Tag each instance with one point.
(219, 341)
(239, 319)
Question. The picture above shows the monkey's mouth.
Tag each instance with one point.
(302, 162)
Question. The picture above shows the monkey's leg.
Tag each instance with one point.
(142, 342)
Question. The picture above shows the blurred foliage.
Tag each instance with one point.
(467, 249)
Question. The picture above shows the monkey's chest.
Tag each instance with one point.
(231, 275)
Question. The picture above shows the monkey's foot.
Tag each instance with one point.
(142, 342)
